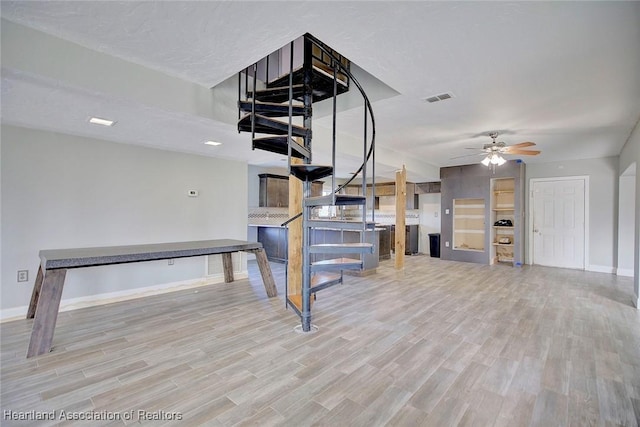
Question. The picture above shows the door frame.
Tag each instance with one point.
(532, 181)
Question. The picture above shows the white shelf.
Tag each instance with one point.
(503, 205)
(469, 231)
(477, 206)
(470, 216)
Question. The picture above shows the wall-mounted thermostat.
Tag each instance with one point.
(192, 193)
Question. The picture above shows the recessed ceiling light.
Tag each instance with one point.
(102, 122)
(213, 143)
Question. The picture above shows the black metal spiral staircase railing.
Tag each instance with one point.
(318, 73)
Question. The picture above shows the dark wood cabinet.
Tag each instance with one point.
(428, 187)
(410, 241)
(274, 241)
(274, 190)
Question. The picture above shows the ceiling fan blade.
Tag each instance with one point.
(523, 144)
(468, 155)
(523, 152)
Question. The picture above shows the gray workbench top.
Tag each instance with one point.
(87, 257)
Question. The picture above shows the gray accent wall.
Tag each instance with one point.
(63, 191)
(474, 181)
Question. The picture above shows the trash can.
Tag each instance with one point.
(434, 245)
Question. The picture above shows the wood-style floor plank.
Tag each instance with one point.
(440, 343)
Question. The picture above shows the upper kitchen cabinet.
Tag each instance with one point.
(274, 190)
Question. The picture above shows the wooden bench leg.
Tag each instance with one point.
(46, 313)
(265, 271)
(35, 295)
(227, 266)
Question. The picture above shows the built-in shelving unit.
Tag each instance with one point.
(468, 224)
(473, 198)
(503, 209)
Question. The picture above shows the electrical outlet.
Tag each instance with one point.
(170, 262)
(23, 275)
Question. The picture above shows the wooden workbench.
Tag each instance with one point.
(47, 289)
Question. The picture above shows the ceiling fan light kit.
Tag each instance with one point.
(493, 159)
(493, 152)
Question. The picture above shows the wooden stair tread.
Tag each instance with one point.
(278, 144)
(337, 261)
(341, 248)
(322, 83)
(323, 277)
(272, 109)
(268, 125)
(277, 94)
(323, 280)
(340, 200)
(311, 172)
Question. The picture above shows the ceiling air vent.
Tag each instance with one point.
(440, 97)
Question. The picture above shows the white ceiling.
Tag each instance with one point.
(562, 74)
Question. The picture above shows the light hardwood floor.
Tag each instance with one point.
(439, 344)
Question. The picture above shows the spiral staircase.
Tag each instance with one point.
(275, 104)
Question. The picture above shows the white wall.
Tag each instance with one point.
(602, 209)
(62, 191)
(626, 224)
(629, 156)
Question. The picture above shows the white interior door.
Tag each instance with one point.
(559, 223)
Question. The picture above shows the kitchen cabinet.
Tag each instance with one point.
(274, 190)
(274, 241)
(428, 187)
(410, 241)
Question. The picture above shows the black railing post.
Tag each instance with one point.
(290, 131)
(333, 142)
(253, 102)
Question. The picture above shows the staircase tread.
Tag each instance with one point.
(322, 277)
(323, 280)
(271, 109)
(337, 261)
(322, 82)
(311, 172)
(277, 93)
(278, 144)
(341, 199)
(247, 117)
(343, 245)
(269, 125)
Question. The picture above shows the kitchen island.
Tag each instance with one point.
(274, 240)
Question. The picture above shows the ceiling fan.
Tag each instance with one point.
(495, 150)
